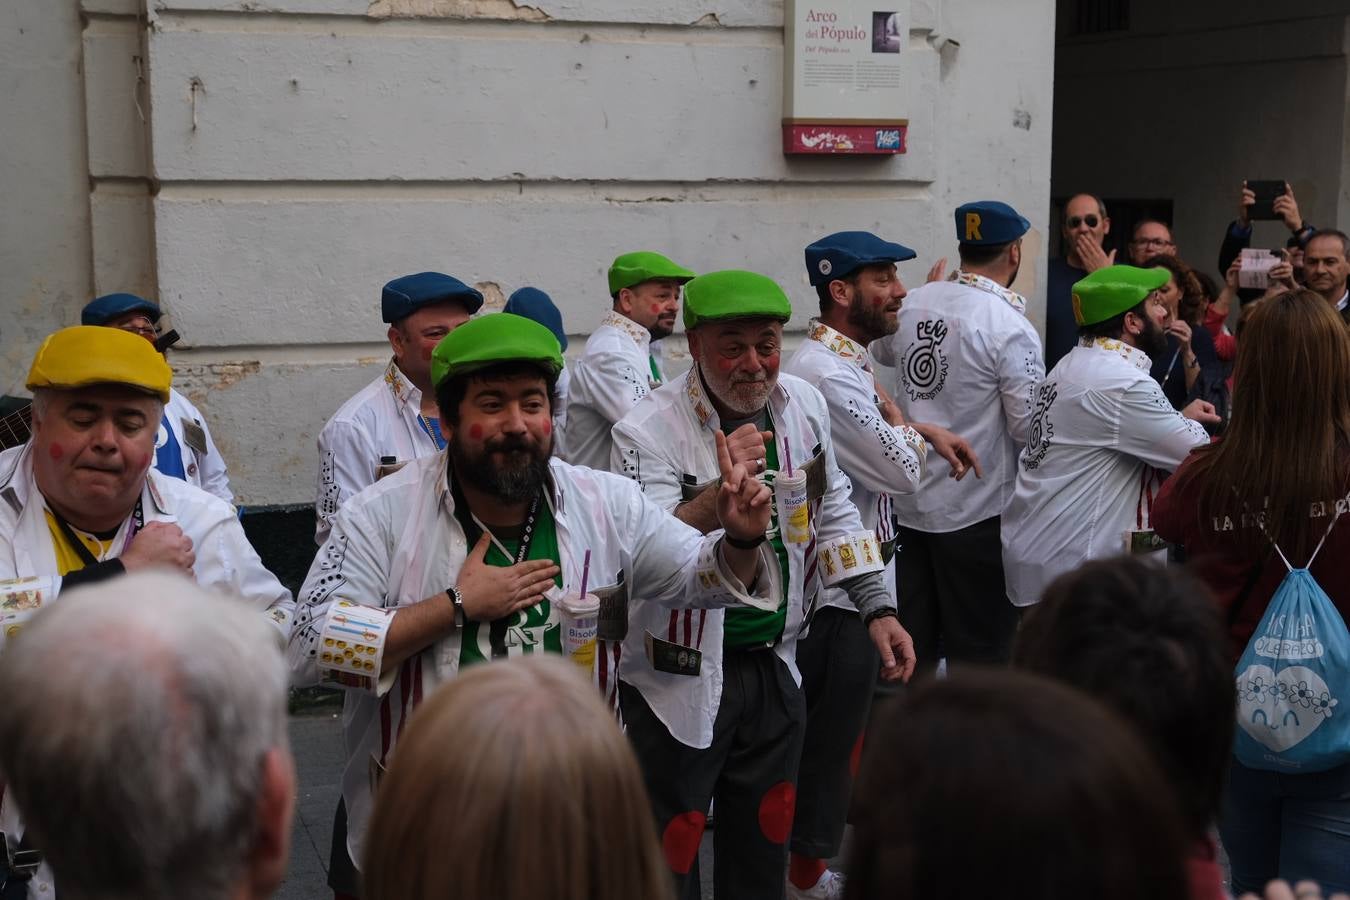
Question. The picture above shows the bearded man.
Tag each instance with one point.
(732, 725)
(1102, 438)
(860, 292)
(463, 557)
(622, 360)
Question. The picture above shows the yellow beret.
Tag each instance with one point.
(90, 354)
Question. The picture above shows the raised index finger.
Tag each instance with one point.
(723, 455)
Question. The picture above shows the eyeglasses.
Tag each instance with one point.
(1075, 221)
(139, 325)
(1152, 242)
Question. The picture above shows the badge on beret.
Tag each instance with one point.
(825, 267)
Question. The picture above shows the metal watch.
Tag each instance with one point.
(457, 599)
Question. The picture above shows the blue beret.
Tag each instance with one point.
(404, 296)
(533, 303)
(102, 310)
(985, 223)
(843, 252)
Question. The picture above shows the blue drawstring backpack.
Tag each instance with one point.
(1292, 677)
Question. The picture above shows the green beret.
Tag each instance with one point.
(644, 265)
(1111, 291)
(734, 294)
(496, 338)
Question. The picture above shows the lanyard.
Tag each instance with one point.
(524, 549)
(431, 432)
(497, 627)
(81, 550)
(656, 373)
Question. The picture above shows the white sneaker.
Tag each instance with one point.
(829, 887)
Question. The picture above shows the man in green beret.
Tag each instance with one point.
(732, 726)
(1102, 439)
(620, 364)
(468, 555)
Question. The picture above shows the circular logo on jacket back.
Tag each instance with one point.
(924, 369)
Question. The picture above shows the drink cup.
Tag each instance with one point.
(580, 621)
(794, 519)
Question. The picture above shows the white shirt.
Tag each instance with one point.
(398, 543)
(560, 397)
(878, 459)
(29, 579)
(966, 358)
(615, 371)
(202, 462)
(383, 419)
(1102, 439)
(667, 445)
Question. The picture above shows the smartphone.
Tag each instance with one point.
(1256, 266)
(1266, 192)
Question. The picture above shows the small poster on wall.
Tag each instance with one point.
(844, 85)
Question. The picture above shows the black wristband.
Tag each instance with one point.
(743, 545)
(884, 613)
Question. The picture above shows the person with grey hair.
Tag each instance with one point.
(143, 734)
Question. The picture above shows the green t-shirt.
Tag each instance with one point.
(743, 626)
(525, 631)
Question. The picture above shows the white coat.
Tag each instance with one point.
(384, 418)
(203, 466)
(613, 374)
(28, 569)
(398, 543)
(879, 460)
(1101, 442)
(667, 445)
(965, 358)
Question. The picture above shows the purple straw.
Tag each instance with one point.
(787, 453)
(585, 571)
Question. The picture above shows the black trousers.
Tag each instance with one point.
(953, 600)
(750, 769)
(839, 669)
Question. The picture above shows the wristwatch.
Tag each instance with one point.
(457, 599)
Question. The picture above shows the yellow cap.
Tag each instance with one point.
(89, 354)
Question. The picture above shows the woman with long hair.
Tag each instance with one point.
(513, 782)
(999, 783)
(1284, 462)
(1190, 347)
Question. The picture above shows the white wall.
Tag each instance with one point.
(302, 152)
(1198, 96)
(44, 214)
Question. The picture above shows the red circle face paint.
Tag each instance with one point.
(476, 432)
(56, 452)
(548, 427)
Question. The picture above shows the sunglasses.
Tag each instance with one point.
(1075, 221)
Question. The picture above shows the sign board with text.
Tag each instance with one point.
(844, 87)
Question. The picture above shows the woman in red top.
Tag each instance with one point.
(1286, 457)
